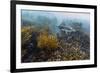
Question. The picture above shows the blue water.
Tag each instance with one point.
(54, 19)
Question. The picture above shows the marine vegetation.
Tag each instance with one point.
(45, 37)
